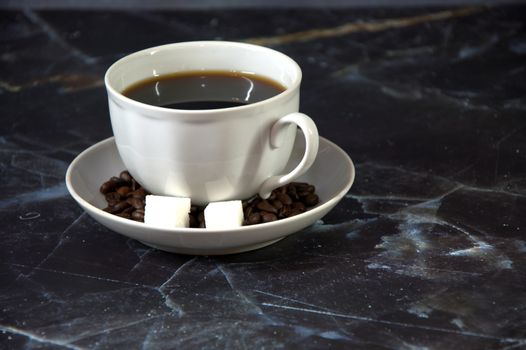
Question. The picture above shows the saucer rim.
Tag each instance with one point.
(193, 231)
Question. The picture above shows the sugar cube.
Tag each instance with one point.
(224, 215)
(167, 212)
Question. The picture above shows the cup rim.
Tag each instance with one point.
(112, 92)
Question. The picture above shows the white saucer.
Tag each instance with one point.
(332, 174)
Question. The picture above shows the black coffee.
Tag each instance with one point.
(203, 90)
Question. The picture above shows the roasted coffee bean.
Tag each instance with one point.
(268, 217)
(292, 192)
(277, 204)
(284, 198)
(123, 190)
(305, 189)
(311, 200)
(201, 217)
(299, 206)
(113, 203)
(193, 221)
(110, 209)
(137, 203)
(266, 206)
(196, 216)
(124, 215)
(247, 210)
(137, 215)
(118, 181)
(121, 206)
(139, 193)
(117, 208)
(294, 212)
(300, 186)
(254, 218)
(107, 187)
(251, 206)
(128, 210)
(112, 197)
(125, 175)
(194, 213)
(284, 212)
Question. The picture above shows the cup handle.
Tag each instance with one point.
(310, 132)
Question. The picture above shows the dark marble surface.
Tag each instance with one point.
(427, 251)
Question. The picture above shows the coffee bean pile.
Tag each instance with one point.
(284, 202)
(126, 198)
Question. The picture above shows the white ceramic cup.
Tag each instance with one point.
(216, 154)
